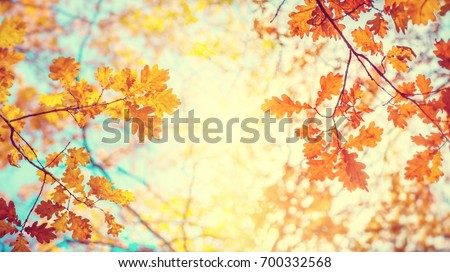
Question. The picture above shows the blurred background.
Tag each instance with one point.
(225, 57)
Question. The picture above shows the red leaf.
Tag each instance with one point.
(43, 235)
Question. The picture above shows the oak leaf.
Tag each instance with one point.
(398, 57)
(351, 172)
(400, 113)
(280, 107)
(64, 69)
(46, 209)
(8, 212)
(378, 25)
(443, 52)
(424, 85)
(364, 39)
(60, 223)
(298, 23)
(12, 31)
(80, 227)
(103, 189)
(20, 244)
(102, 76)
(43, 234)
(6, 228)
(113, 228)
(53, 159)
(329, 85)
(369, 137)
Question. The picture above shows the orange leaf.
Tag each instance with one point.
(424, 85)
(298, 23)
(433, 140)
(378, 25)
(60, 223)
(435, 171)
(400, 113)
(102, 76)
(80, 227)
(398, 56)
(351, 171)
(113, 228)
(43, 235)
(64, 69)
(330, 85)
(399, 15)
(14, 157)
(53, 159)
(369, 137)
(103, 189)
(364, 39)
(445, 96)
(417, 167)
(59, 195)
(443, 52)
(6, 228)
(280, 107)
(20, 245)
(73, 179)
(78, 156)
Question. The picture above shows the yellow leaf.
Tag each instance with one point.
(164, 102)
(12, 31)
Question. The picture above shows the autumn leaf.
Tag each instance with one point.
(103, 189)
(46, 209)
(298, 23)
(53, 100)
(12, 31)
(77, 156)
(154, 79)
(330, 85)
(43, 234)
(401, 113)
(60, 195)
(6, 228)
(378, 25)
(422, 12)
(407, 88)
(64, 69)
(281, 107)
(20, 244)
(73, 179)
(443, 52)
(424, 85)
(435, 170)
(417, 168)
(399, 15)
(113, 228)
(398, 57)
(14, 157)
(53, 159)
(80, 227)
(102, 76)
(432, 140)
(163, 102)
(369, 137)
(364, 39)
(351, 172)
(445, 96)
(8, 212)
(60, 223)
